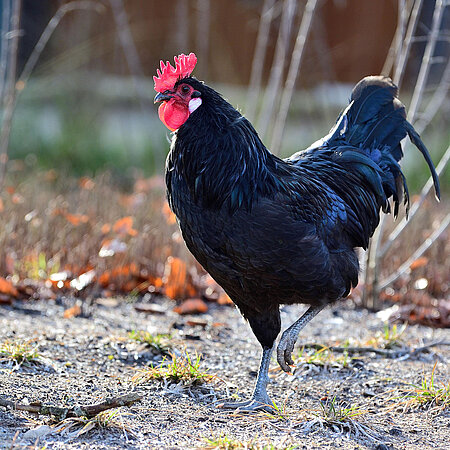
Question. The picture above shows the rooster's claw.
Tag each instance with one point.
(252, 405)
(284, 351)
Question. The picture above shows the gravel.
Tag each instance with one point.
(87, 358)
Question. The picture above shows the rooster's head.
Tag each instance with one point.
(179, 98)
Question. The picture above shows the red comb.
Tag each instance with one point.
(168, 76)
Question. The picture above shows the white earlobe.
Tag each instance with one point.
(194, 104)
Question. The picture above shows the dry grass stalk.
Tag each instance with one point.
(373, 257)
(12, 92)
(294, 68)
(417, 254)
(427, 61)
(10, 89)
(406, 45)
(254, 88)
(130, 52)
(277, 70)
(415, 206)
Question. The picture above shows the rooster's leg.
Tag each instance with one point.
(260, 400)
(290, 336)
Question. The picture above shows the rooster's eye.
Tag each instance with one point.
(185, 89)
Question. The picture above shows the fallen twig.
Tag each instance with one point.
(61, 413)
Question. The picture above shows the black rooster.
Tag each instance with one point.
(273, 231)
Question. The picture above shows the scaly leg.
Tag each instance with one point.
(260, 400)
(290, 336)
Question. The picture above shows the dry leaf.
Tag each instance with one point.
(419, 262)
(76, 219)
(169, 215)
(86, 183)
(6, 287)
(197, 323)
(224, 299)
(124, 226)
(74, 311)
(192, 306)
(175, 278)
(106, 228)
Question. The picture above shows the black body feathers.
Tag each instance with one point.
(274, 231)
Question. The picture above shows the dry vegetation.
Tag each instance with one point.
(85, 237)
(89, 238)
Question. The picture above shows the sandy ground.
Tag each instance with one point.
(86, 359)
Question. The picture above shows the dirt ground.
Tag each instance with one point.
(86, 359)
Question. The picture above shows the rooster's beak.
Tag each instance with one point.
(160, 97)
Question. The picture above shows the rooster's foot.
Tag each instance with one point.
(249, 406)
(290, 336)
(285, 349)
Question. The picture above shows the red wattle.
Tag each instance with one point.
(173, 114)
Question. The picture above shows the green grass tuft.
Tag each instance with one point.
(324, 357)
(337, 413)
(427, 394)
(19, 352)
(391, 337)
(184, 368)
(159, 343)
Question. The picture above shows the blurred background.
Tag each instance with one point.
(82, 150)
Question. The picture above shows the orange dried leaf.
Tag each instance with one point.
(106, 228)
(175, 278)
(6, 287)
(192, 306)
(86, 183)
(419, 262)
(129, 286)
(169, 215)
(224, 299)
(2, 207)
(76, 219)
(125, 226)
(157, 282)
(104, 279)
(74, 311)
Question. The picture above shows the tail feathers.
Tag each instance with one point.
(415, 139)
(376, 123)
(376, 116)
(366, 142)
